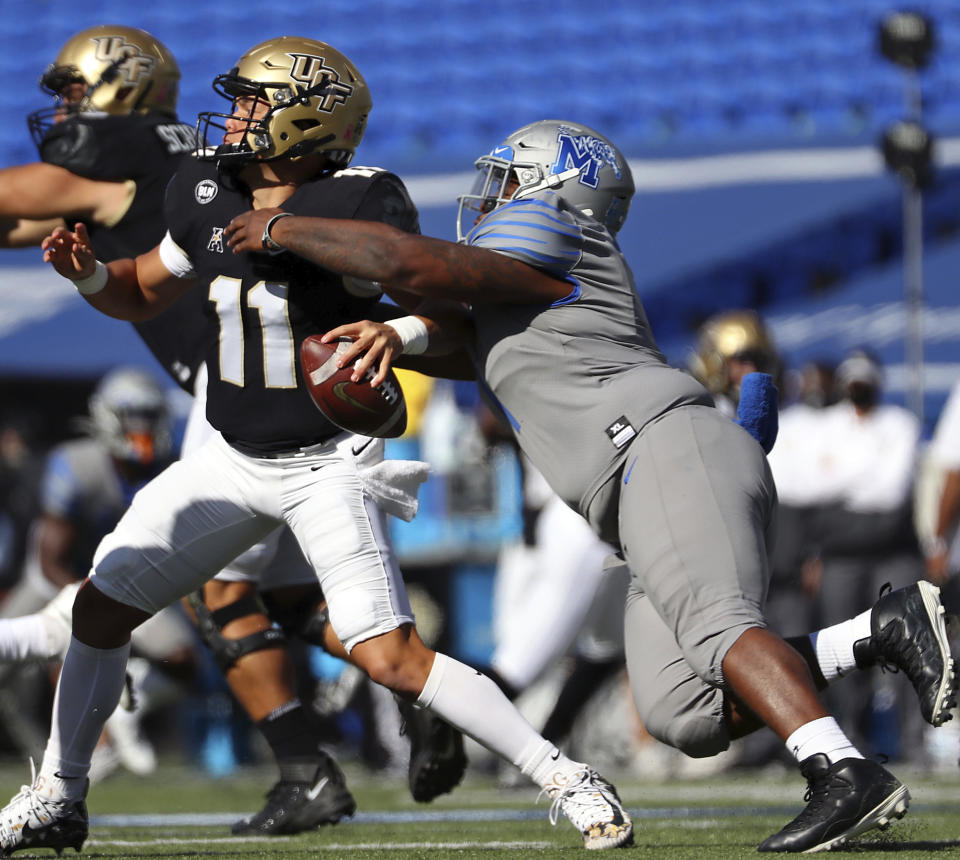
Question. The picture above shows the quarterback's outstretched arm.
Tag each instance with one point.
(423, 266)
(129, 289)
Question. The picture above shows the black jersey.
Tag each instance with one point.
(144, 149)
(260, 306)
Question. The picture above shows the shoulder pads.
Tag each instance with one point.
(71, 145)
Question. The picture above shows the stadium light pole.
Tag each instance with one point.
(907, 39)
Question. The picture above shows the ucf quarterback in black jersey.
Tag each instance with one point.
(260, 307)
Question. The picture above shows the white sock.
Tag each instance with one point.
(87, 693)
(30, 637)
(472, 703)
(834, 645)
(821, 736)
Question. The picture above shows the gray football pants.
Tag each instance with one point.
(695, 519)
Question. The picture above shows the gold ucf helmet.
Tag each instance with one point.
(728, 336)
(122, 70)
(317, 102)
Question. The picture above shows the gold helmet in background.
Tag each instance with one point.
(730, 336)
(318, 102)
(121, 70)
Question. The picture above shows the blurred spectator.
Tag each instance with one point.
(941, 547)
(861, 478)
(942, 550)
(21, 468)
(793, 461)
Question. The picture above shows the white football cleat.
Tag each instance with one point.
(31, 820)
(593, 807)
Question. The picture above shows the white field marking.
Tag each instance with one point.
(334, 846)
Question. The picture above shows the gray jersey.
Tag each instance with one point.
(81, 486)
(579, 378)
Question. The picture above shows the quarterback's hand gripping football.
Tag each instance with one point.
(249, 232)
(373, 344)
(70, 252)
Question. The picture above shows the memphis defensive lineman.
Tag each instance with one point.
(563, 347)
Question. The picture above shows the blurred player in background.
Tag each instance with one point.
(557, 565)
(107, 147)
(687, 497)
(729, 346)
(298, 111)
(21, 470)
(88, 484)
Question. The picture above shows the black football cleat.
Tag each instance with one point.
(908, 633)
(437, 757)
(845, 799)
(33, 821)
(293, 807)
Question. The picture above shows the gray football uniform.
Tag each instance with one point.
(598, 375)
(638, 448)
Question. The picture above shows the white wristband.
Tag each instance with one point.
(96, 282)
(413, 334)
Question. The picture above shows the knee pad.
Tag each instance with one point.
(306, 619)
(226, 651)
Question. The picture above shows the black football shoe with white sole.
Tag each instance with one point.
(294, 806)
(437, 757)
(908, 633)
(844, 799)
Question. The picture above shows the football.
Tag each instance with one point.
(353, 406)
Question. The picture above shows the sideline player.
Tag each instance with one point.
(649, 461)
(88, 483)
(275, 459)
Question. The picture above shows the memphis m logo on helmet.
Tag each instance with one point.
(586, 153)
(311, 71)
(125, 57)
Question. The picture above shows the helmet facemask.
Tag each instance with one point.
(492, 187)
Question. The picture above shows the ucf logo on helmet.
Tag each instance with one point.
(310, 70)
(131, 63)
(587, 152)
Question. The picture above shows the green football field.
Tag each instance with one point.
(181, 813)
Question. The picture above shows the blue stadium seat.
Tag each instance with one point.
(696, 69)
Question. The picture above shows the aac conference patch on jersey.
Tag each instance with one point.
(620, 432)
